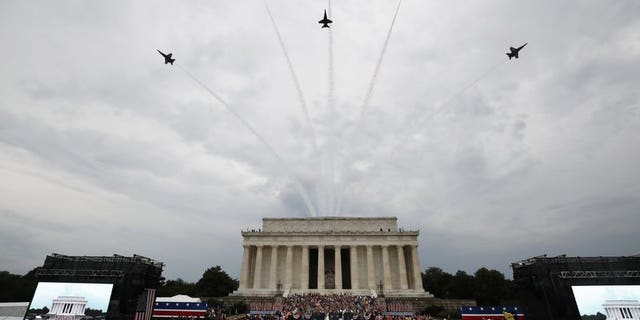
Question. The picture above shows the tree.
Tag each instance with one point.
(215, 283)
(42, 311)
(490, 287)
(460, 286)
(597, 316)
(93, 312)
(436, 281)
(174, 287)
(16, 287)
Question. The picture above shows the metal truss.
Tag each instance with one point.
(599, 274)
(116, 258)
(81, 273)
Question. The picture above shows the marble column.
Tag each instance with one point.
(337, 267)
(305, 268)
(402, 268)
(289, 269)
(320, 267)
(355, 282)
(244, 271)
(273, 282)
(257, 275)
(417, 276)
(371, 275)
(386, 266)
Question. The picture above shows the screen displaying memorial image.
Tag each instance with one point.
(69, 301)
(608, 302)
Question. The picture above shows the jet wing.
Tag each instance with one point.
(169, 55)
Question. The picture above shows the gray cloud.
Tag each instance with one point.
(493, 160)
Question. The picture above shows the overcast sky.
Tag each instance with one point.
(105, 149)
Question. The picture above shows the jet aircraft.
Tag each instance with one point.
(167, 58)
(514, 51)
(325, 22)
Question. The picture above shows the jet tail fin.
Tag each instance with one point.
(510, 55)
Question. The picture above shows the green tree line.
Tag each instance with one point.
(487, 287)
(214, 282)
(17, 288)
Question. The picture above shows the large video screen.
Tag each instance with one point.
(613, 302)
(67, 300)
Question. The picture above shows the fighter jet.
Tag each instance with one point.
(325, 22)
(167, 58)
(514, 51)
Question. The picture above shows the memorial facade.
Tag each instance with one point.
(68, 308)
(360, 255)
(622, 309)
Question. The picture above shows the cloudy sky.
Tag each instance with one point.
(104, 149)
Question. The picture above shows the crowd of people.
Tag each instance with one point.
(399, 307)
(215, 312)
(330, 307)
(307, 304)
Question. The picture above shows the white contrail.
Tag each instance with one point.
(374, 77)
(371, 87)
(331, 107)
(303, 103)
(439, 109)
(467, 87)
(299, 186)
(330, 94)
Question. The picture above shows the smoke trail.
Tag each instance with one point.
(427, 117)
(467, 87)
(330, 93)
(442, 106)
(372, 82)
(331, 107)
(299, 186)
(303, 103)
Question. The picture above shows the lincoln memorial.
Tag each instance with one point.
(68, 308)
(360, 255)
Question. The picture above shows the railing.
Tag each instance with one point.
(599, 274)
(81, 273)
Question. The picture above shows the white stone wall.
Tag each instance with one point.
(64, 307)
(354, 224)
(385, 255)
(622, 309)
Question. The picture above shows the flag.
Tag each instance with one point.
(492, 313)
(144, 307)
